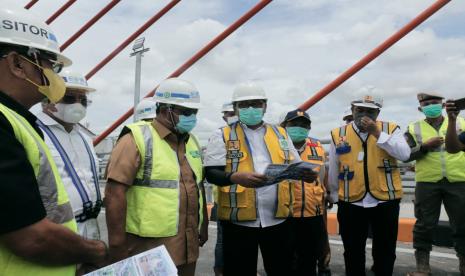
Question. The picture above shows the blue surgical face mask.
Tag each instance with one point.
(432, 110)
(297, 134)
(251, 116)
(186, 123)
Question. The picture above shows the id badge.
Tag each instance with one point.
(91, 229)
(360, 156)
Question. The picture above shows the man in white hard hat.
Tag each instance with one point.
(348, 117)
(73, 151)
(364, 179)
(252, 215)
(145, 110)
(38, 231)
(229, 116)
(155, 194)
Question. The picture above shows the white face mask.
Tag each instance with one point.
(70, 113)
(231, 120)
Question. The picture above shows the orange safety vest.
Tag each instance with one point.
(309, 197)
(237, 203)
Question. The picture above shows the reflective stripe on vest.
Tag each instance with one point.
(89, 210)
(437, 163)
(237, 203)
(234, 167)
(154, 196)
(53, 194)
(308, 197)
(378, 170)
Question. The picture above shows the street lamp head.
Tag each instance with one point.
(138, 44)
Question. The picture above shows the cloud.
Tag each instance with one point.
(292, 48)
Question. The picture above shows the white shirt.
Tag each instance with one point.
(74, 146)
(266, 197)
(394, 144)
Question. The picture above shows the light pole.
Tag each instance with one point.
(138, 49)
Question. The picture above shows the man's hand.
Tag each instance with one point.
(118, 253)
(451, 110)
(329, 205)
(248, 179)
(309, 176)
(370, 126)
(433, 143)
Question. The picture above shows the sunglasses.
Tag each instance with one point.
(184, 111)
(70, 99)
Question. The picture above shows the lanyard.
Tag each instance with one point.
(93, 167)
(87, 203)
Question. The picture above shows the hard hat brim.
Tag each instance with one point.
(369, 105)
(248, 98)
(81, 88)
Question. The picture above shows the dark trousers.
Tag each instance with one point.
(309, 237)
(240, 249)
(354, 222)
(428, 199)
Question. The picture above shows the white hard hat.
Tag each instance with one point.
(145, 109)
(347, 112)
(368, 101)
(178, 92)
(227, 107)
(248, 91)
(75, 80)
(23, 28)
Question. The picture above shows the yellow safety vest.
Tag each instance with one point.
(52, 192)
(237, 203)
(364, 167)
(153, 199)
(437, 164)
(309, 196)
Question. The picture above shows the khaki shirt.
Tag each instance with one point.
(123, 166)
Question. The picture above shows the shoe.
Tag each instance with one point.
(461, 264)
(324, 271)
(422, 259)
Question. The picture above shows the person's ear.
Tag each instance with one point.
(16, 65)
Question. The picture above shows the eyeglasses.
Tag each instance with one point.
(48, 60)
(184, 111)
(70, 99)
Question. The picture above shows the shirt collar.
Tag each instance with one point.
(356, 129)
(244, 126)
(18, 108)
(162, 130)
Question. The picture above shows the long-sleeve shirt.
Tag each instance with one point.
(394, 144)
(75, 148)
(266, 197)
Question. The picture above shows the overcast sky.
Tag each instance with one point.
(292, 48)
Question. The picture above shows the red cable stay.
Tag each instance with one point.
(201, 53)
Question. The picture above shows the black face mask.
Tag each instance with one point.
(359, 115)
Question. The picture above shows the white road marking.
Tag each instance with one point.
(400, 250)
